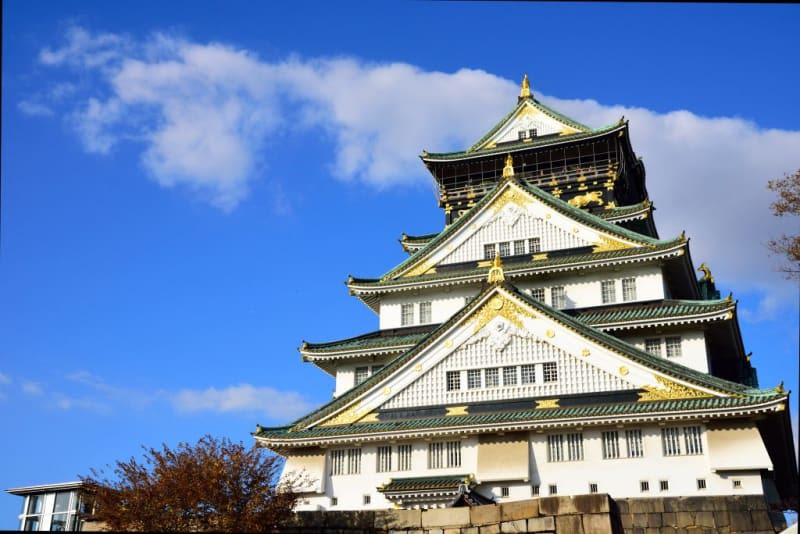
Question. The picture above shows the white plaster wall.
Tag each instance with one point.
(346, 372)
(446, 302)
(693, 347)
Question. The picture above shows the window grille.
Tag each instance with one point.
(701, 483)
(553, 489)
(653, 346)
(628, 289)
(367, 499)
(671, 441)
(509, 376)
(353, 461)
(538, 293)
(575, 447)
(406, 314)
(334, 501)
(338, 465)
(644, 485)
(435, 455)
(633, 438)
(555, 448)
(444, 454)
(610, 445)
(550, 372)
(692, 439)
(473, 378)
(492, 377)
(534, 245)
(558, 297)
(592, 487)
(488, 251)
(522, 134)
(453, 380)
(532, 132)
(663, 485)
(362, 373)
(519, 247)
(527, 374)
(505, 249)
(404, 457)
(504, 491)
(737, 484)
(673, 345)
(453, 454)
(608, 291)
(535, 490)
(424, 312)
(346, 462)
(384, 459)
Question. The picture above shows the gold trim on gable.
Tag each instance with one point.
(670, 391)
(511, 195)
(350, 415)
(499, 306)
(607, 244)
(424, 267)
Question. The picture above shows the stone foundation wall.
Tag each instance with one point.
(579, 514)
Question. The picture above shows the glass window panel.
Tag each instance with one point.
(528, 374)
(550, 372)
(505, 249)
(424, 312)
(35, 504)
(673, 345)
(653, 346)
(509, 376)
(473, 378)
(488, 251)
(519, 247)
(362, 373)
(492, 377)
(535, 245)
(628, 289)
(608, 291)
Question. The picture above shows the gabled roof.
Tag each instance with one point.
(694, 389)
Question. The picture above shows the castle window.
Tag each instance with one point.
(555, 448)
(521, 134)
(453, 380)
(509, 376)
(535, 490)
(444, 454)
(673, 345)
(527, 374)
(334, 501)
(534, 245)
(653, 346)
(575, 447)
(737, 484)
(504, 491)
(362, 373)
(663, 485)
(633, 439)
(384, 459)
(424, 312)
(505, 249)
(537, 293)
(488, 251)
(473, 378)
(345, 461)
(367, 499)
(701, 483)
(406, 314)
(592, 487)
(558, 297)
(692, 439)
(671, 441)
(628, 289)
(608, 291)
(404, 457)
(644, 486)
(519, 247)
(610, 445)
(550, 372)
(532, 132)
(553, 489)
(492, 377)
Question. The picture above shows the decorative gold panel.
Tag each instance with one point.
(607, 244)
(670, 391)
(457, 410)
(422, 268)
(499, 306)
(547, 403)
(350, 415)
(512, 195)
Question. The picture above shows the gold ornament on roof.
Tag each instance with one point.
(496, 274)
(525, 89)
(707, 277)
(508, 170)
(670, 390)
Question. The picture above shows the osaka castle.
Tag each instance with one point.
(546, 341)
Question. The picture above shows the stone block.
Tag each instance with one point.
(626, 520)
(452, 531)
(350, 519)
(666, 530)
(557, 506)
(721, 518)
(597, 524)
(490, 529)
(761, 520)
(445, 517)
(704, 519)
(571, 524)
(398, 519)
(520, 525)
(755, 502)
(740, 520)
(484, 515)
(593, 503)
(669, 519)
(309, 519)
(654, 520)
(685, 519)
(640, 520)
(541, 524)
(435, 531)
(511, 511)
(697, 504)
(646, 506)
(623, 505)
(470, 530)
(652, 530)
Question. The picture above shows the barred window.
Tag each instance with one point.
(509, 376)
(424, 312)
(534, 245)
(505, 249)
(367, 499)
(628, 289)
(633, 439)
(737, 484)
(558, 297)
(404, 457)
(492, 377)
(453, 454)
(346, 462)
(535, 490)
(575, 447)
(608, 289)
(671, 441)
(362, 373)
(353, 461)
(519, 247)
(663, 485)
(538, 293)
(453, 380)
(673, 345)
(384, 459)
(406, 314)
(504, 491)
(444, 454)
(488, 251)
(473, 378)
(527, 374)
(610, 445)
(334, 501)
(592, 487)
(692, 439)
(553, 489)
(555, 448)
(653, 346)
(701, 483)
(550, 372)
(644, 485)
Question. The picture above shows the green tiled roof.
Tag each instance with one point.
(377, 339)
(651, 311)
(557, 204)
(662, 365)
(417, 239)
(532, 415)
(441, 483)
(622, 211)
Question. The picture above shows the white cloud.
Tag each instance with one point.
(34, 109)
(274, 404)
(4, 379)
(86, 50)
(32, 388)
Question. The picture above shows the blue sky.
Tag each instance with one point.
(187, 185)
